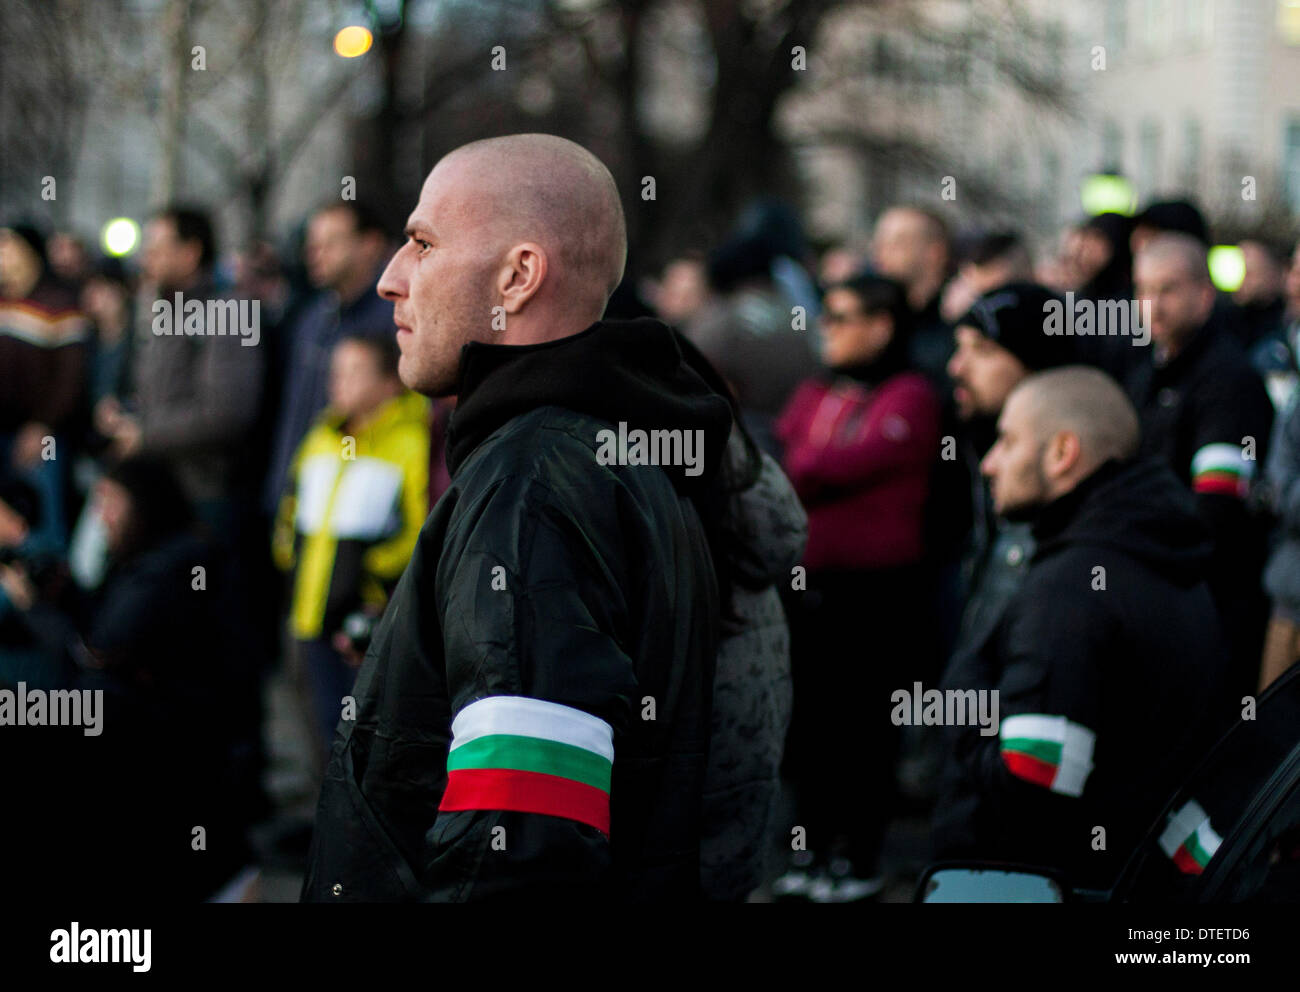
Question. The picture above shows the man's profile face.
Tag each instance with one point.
(1014, 465)
(983, 374)
(441, 280)
(1179, 303)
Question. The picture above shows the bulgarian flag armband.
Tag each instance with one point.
(1223, 469)
(1189, 840)
(530, 756)
(1047, 750)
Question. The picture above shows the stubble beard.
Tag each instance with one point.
(441, 376)
(1027, 509)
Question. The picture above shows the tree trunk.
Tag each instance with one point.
(177, 32)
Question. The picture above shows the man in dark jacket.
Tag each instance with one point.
(532, 718)
(1108, 662)
(1206, 413)
(999, 342)
(197, 382)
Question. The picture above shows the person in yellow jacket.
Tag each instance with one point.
(353, 506)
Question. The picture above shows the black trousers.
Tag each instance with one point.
(856, 638)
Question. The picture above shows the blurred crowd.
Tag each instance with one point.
(180, 514)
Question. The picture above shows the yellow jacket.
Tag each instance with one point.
(351, 512)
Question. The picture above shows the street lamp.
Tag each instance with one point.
(1227, 267)
(120, 237)
(352, 41)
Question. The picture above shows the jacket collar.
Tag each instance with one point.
(615, 371)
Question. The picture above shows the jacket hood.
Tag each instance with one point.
(1137, 507)
(617, 371)
(764, 525)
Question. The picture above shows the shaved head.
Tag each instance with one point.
(1181, 251)
(1056, 429)
(515, 241)
(1086, 402)
(552, 191)
(910, 244)
(1171, 272)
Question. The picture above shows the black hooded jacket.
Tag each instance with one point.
(1202, 410)
(588, 589)
(1109, 664)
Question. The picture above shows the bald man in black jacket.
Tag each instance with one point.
(1108, 663)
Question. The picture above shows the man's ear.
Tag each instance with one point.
(1064, 453)
(521, 276)
(1071, 450)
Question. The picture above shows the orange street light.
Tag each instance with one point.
(352, 41)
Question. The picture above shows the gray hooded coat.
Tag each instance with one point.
(765, 529)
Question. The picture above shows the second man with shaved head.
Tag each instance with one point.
(532, 718)
(1108, 662)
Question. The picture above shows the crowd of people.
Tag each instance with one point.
(932, 562)
(925, 481)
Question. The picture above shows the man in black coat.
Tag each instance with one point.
(1108, 662)
(999, 342)
(1205, 412)
(532, 718)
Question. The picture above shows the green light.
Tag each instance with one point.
(1103, 193)
(1227, 268)
(121, 236)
